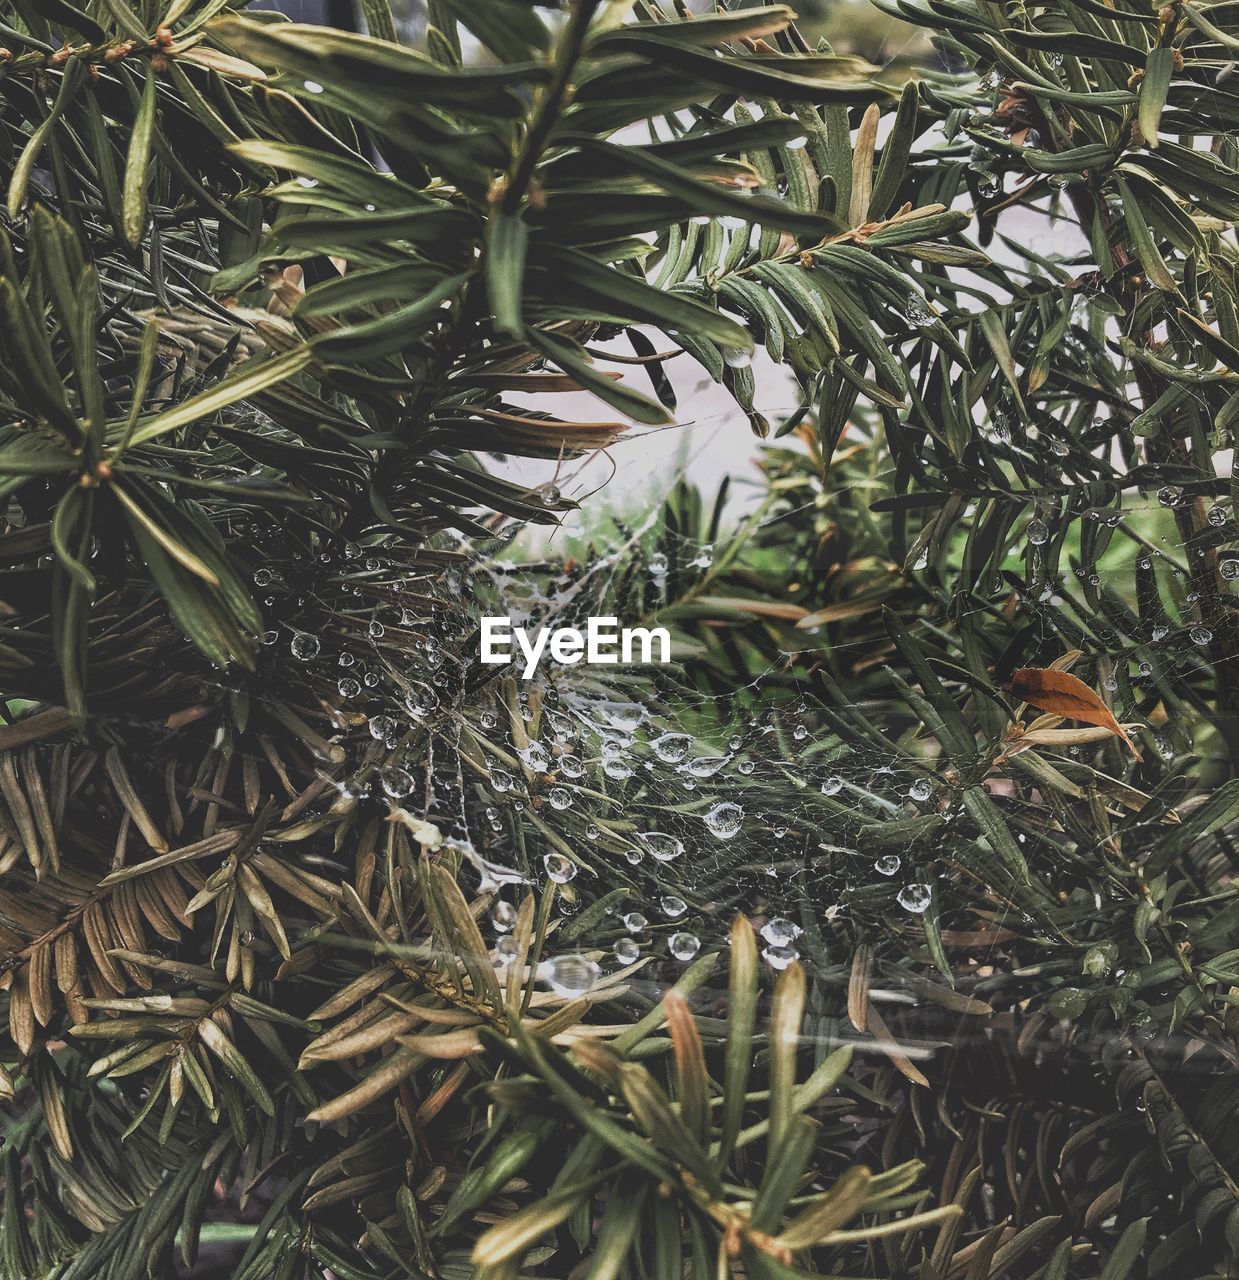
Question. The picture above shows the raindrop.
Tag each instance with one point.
(671, 748)
(724, 820)
(500, 779)
(662, 847)
(780, 931)
(559, 868)
(737, 357)
(535, 757)
(1038, 532)
(1216, 516)
(921, 789)
(626, 951)
(988, 184)
(503, 916)
(705, 766)
(1170, 495)
(634, 922)
(571, 767)
(673, 906)
(560, 798)
(917, 312)
(684, 946)
(382, 727)
(1230, 570)
(887, 864)
(914, 898)
(305, 646)
(506, 950)
(704, 557)
(1200, 635)
(396, 782)
(349, 688)
(570, 975)
(780, 957)
(832, 786)
(657, 565)
(312, 86)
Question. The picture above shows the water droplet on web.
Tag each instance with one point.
(657, 565)
(376, 630)
(560, 798)
(745, 767)
(921, 789)
(737, 357)
(800, 732)
(1230, 570)
(1159, 632)
(503, 916)
(887, 864)
(304, 646)
(1200, 635)
(832, 786)
(780, 957)
(662, 847)
(1038, 532)
(988, 184)
(635, 922)
(348, 687)
(914, 898)
(569, 975)
(592, 832)
(506, 950)
(559, 868)
(724, 820)
(671, 748)
(381, 727)
(500, 779)
(421, 701)
(396, 782)
(1216, 516)
(571, 767)
(673, 907)
(704, 557)
(684, 946)
(535, 757)
(626, 951)
(1170, 495)
(780, 931)
(617, 767)
(705, 766)
(917, 312)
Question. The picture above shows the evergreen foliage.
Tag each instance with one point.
(273, 299)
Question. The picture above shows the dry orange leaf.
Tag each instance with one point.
(1068, 696)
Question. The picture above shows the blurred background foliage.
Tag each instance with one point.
(892, 931)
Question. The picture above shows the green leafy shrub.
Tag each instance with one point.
(272, 302)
